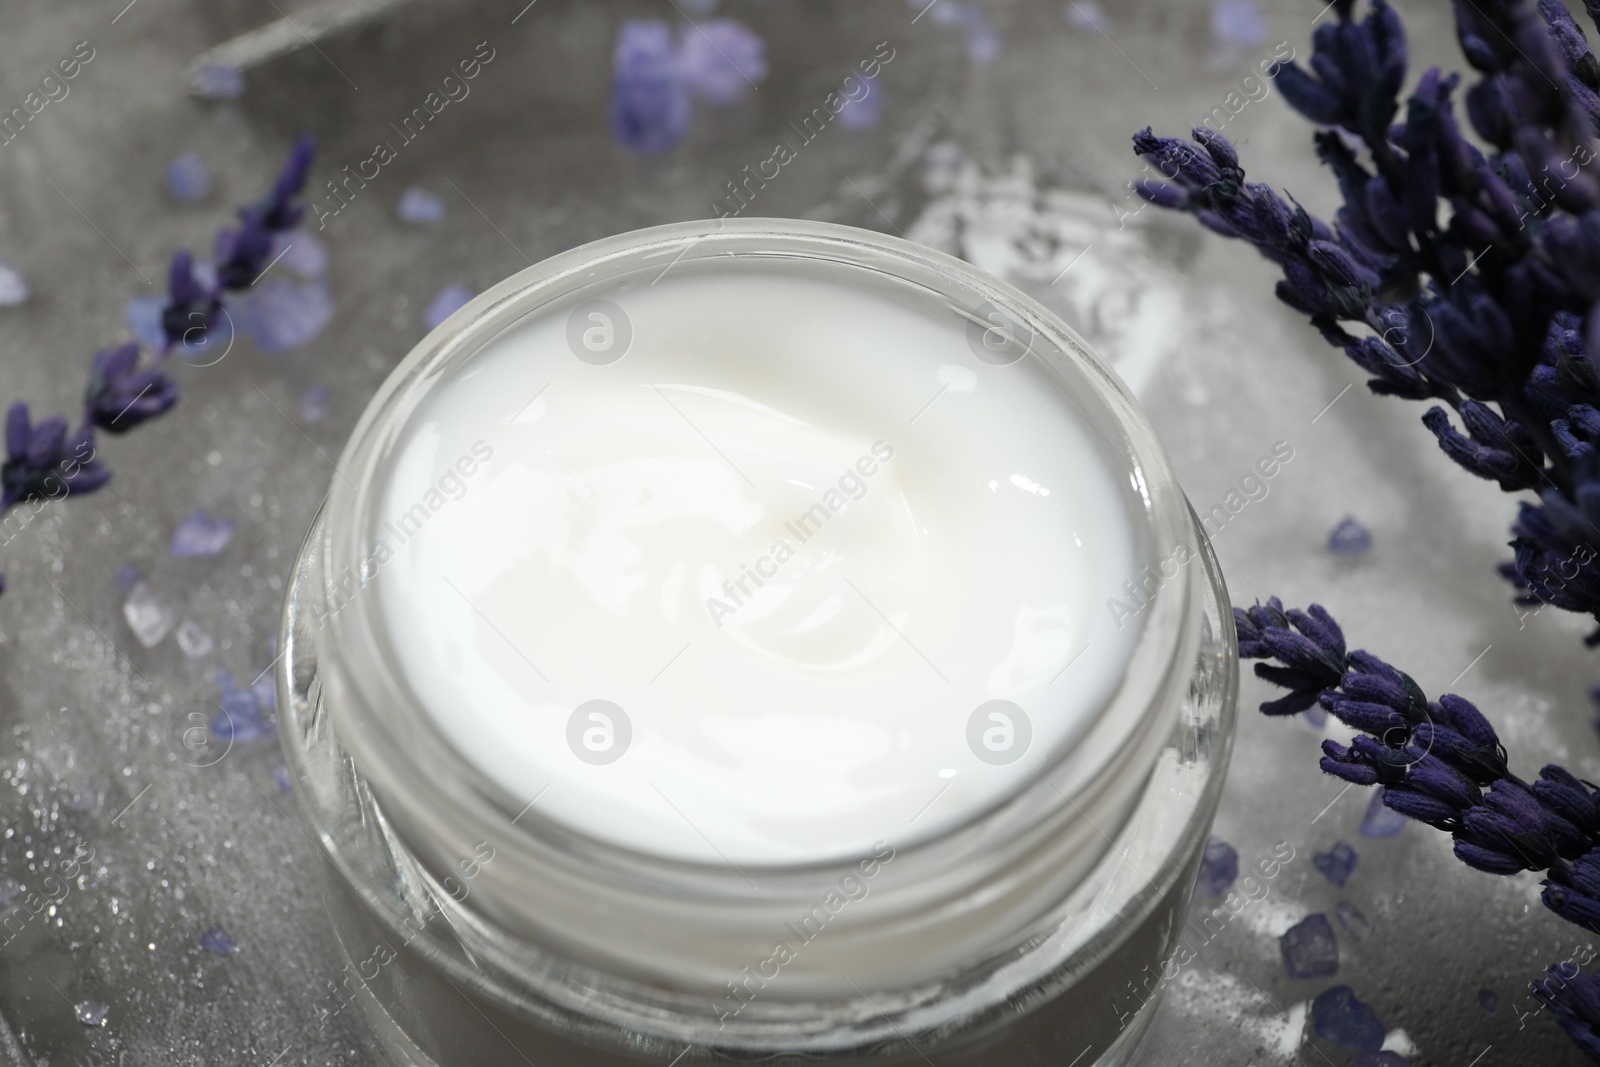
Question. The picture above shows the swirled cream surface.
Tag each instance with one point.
(746, 566)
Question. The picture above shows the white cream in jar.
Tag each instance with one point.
(799, 533)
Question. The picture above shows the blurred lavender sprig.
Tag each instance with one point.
(1494, 313)
(45, 460)
(1440, 762)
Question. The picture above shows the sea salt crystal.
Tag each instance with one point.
(148, 616)
(1350, 538)
(201, 535)
(1309, 948)
(92, 1012)
(194, 641)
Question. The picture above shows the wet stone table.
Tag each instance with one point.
(192, 930)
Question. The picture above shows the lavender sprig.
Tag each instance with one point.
(1494, 313)
(1441, 763)
(46, 461)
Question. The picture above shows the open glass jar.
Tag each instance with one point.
(484, 922)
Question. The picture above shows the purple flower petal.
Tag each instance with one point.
(188, 178)
(14, 288)
(285, 315)
(450, 300)
(300, 252)
(1350, 538)
(419, 207)
(1336, 864)
(217, 81)
(721, 60)
(1381, 821)
(1237, 23)
(1087, 15)
(1488, 1000)
(216, 939)
(144, 319)
(201, 535)
(649, 97)
(314, 404)
(1309, 949)
(1219, 866)
(1338, 1016)
(280, 778)
(863, 112)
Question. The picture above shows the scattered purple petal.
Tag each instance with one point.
(144, 319)
(1309, 949)
(1488, 1000)
(193, 641)
(649, 98)
(280, 778)
(1237, 24)
(265, 689)
(14, 287)
(217, 81)
(1087, 15)
(1336, 864)
(1338, 1016)
(450, 300)
(188, 178)
(1355, 924)
(128, 576)
(1379, 820)
(216, 939)
(201, 535)
(720, 59)
(314, 404)
(284, 315)
(983, 40)
(863, 112)
(419, 207)
(92, 1012)
(240, 718)
(300, 252)
(147, 614)
(1350, 538)
(1219, 866)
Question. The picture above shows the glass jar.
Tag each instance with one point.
(476, 931)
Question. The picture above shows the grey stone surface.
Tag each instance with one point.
(1015, 164)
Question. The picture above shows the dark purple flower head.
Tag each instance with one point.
(278, 210)
(121, 395)
(192, 306)
(1574, 1000)
(44, 461)
(246, 250)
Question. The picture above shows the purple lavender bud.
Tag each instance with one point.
(45, 462)
(1420, 806)
(120, 396)
(449, 300)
